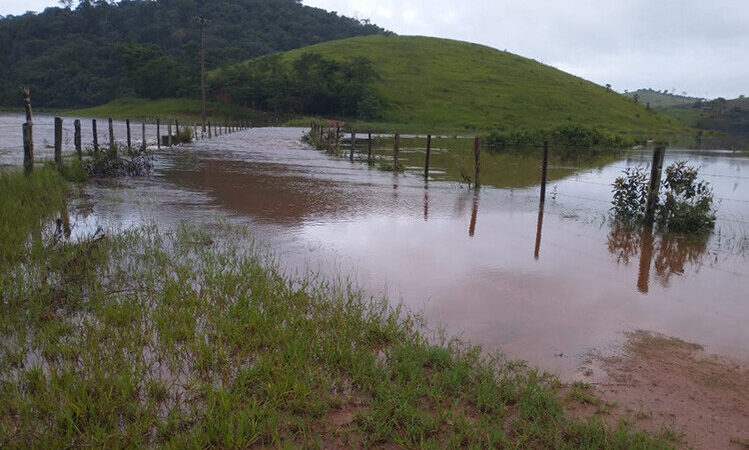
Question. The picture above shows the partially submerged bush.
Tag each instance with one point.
(184, 136)
(133, 162)
(688, 203)
(685, 204)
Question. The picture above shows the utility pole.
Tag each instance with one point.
(202, 20)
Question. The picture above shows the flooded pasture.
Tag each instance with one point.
(548, 286)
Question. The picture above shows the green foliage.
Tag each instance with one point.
(102, 50)
(630, 195)
(118, 161)
(27, 202)
(685, 204)
(562, 135)
(688, 203)
(185, 135)
(311, 84)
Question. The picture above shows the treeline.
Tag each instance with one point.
(309, 85)
(98, 51)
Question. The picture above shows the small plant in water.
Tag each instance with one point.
(685, 204)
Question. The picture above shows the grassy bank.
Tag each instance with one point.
(26, 204)
(194, 338)
(180, 108)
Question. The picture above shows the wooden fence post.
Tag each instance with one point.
(77, 139)
(28, 154)
(127, 126)
(29, 119)
(396, 149)
(655, 184)
(337, 139)
(143, 129)
(58, 143)
(369, 147)
(477, 156)
(176, 124)
(169, 134)
(353, 144)
(210, 134)
(96, 136)
(426, 159)
(544, 165)
(111, 134)
(158, 133)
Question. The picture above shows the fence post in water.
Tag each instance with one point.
(655, 183)
(96, 136)
(176, 124)
(369, 147)
(426, 159)
(477, 156)
(77, 139)
(111, 134)
(210, 134)
(28, 154)
(337, 139)
(29, 120)
(169, 134)
(353, 144)
(58, 143)
(127, 126)
(544, 165)
(143, 143)
(396, 148)
(158, 133)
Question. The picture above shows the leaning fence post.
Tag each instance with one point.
(544, 165)
(28, 155)
(426, 159)
(396, 148)
(158, 133)
(477, 156)
(655, 184)
(77, 139)
(58, 143)
(127, 126)
(353, 144)
(96, 136)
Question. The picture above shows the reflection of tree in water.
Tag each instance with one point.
(672, 253)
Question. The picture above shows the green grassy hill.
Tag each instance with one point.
(431, 84)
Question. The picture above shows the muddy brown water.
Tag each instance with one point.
(479, 264)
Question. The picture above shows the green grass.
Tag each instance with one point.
(27, 202)
(180, 108)
(194, 338)
(431, 85)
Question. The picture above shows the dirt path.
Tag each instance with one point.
(658, 382)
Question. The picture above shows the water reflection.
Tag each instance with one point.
(474, 214)
(670, 254)
(539, 228)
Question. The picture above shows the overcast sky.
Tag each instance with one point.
(697, 46)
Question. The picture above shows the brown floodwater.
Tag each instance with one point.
(545, 286)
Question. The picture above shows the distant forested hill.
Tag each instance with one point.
(97, 51)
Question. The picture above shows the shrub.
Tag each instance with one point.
(685, 204)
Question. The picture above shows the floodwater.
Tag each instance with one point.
(545, 286)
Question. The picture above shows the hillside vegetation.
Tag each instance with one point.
(657, 99)
(99, 50)
(430, 84)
